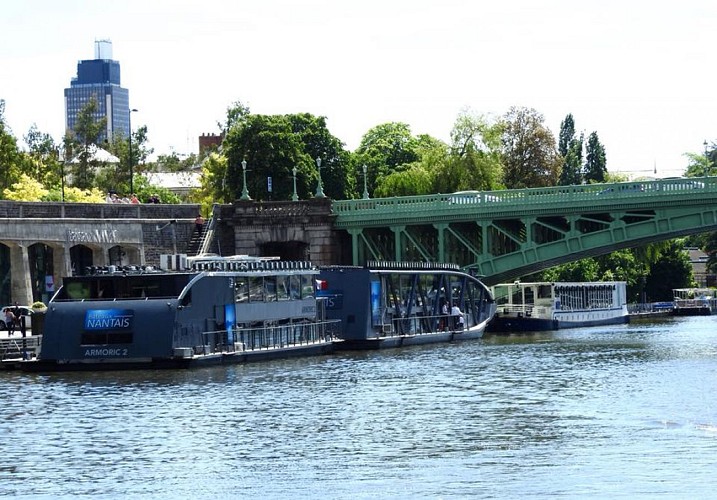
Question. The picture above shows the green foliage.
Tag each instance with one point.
(579, 270)
(213, 186)
(567, 134)
(656, 268)
(76, 195)
(570, 149)
(81, 142)
(595, 160)
(272, 145)
(385, 149)
(672, 270)
(236, 113)
(10, 156)
(42, 157)
(25, 189)
(474, 159)
(414, 181)
(530, 158)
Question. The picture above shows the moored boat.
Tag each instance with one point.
(221, 310)
(393, 304)
(693, 301)
(541, 306)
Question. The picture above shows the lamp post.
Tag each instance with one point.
(244, 191)
(62, 174)
(365, 188)
(131, 173)
(319, 187)
(294, 197)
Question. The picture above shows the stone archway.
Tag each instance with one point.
(285, 250)
(41, 262)
(81, 258)
(5, 275)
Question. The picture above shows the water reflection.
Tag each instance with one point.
(573, 413)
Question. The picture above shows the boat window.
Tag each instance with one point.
(282, 285)
(545, 291)
(256, 289)
(307, 286)
(241, 290)
(295, 286)
(270, 288)
(105, 338)
(78, 290)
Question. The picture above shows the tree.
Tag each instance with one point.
(571, 150)
(385, 149)
(673, 270)
(236, 113)
(529, 155)
(567, 134)
(10, 155)
(213, 187)
(474, 158)
(272, 145)
(596, 163)
(701, 164)
(43, 157)
(85, 136)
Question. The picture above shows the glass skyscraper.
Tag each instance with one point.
(99, 77)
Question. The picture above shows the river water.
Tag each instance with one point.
(624, 411)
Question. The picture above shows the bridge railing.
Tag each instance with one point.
(488, 202)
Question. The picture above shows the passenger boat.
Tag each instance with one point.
(544, 306)
(392, 304)
(213, 310)
(693, 301)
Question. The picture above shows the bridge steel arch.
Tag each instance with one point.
(506, 234)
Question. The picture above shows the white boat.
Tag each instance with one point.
(693, 301)
(543, 306)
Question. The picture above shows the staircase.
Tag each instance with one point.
(202, 241)
(195, 243)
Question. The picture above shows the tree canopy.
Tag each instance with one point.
(530, 158)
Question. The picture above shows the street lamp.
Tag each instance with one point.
(131, 176)
(365, 188)
(244, 191)
(294, 197)
(319, 187)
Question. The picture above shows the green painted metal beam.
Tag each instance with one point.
(507, 234)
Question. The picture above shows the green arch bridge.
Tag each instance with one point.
(506, 234)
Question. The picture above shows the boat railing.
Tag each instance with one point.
(269, 337)
(21, 347)
(526, 310)
(419, 324)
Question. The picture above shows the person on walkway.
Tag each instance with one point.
(134, 200)
(9, 321)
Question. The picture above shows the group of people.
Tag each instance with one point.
(453, 316)
(13, 319)
(113, 197)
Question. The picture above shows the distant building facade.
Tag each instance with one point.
(207, 141)
(99, 77)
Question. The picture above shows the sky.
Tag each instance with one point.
(638, 73)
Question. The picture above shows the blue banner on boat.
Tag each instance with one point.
(109, 319)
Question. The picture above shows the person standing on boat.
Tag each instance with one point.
(9, 321)
(445, 317)
(457, 316)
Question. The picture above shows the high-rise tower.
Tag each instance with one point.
(99, 77)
